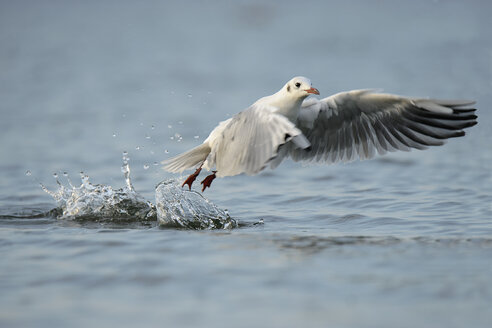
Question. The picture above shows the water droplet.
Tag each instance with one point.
(114, 135)
(169, 126)
(125, 157)
(146, 166)
(180, 122)
(166, 151)
(196, 137)
(147, 137)
(137, 148)
(155, 163)
(152, 152)
(190, 95)
(28, 173)
(141, 124)
(46, 190)
(152, 127)
(55, 175)
(65, 174)
(172, 138)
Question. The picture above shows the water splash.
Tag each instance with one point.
(98, 202)
(178, 207)
(125, 168)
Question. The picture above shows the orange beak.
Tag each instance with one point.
(312, 90)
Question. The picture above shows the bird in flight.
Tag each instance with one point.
(346, 126)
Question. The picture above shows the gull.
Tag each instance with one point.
(351, 125)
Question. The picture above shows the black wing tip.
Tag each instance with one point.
(459, 134)
(468, 124)
(463, 110)
(456, 134)
(456, 115)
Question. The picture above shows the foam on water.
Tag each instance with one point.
(176, 207)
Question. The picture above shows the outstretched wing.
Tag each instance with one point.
(360, 123)
(250, 140)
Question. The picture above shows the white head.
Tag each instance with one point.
(299, 87)
(288, 100)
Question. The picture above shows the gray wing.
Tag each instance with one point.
(251, 139)
(360, 123)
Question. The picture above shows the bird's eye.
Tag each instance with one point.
(298, 84)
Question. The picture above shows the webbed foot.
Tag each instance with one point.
(208, 181)
(189, 181)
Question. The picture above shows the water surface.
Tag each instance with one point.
(401, 241)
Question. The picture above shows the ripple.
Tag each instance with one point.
(304, 199)
(348, 218)
(313, 244)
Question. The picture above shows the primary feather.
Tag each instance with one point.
(358, 124)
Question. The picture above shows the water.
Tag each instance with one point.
(404, 240)
(180, 208)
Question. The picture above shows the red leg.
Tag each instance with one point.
(208, 181)
(192, 178)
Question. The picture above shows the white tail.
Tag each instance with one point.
(187, 160)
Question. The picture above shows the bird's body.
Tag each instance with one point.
(342, 127)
